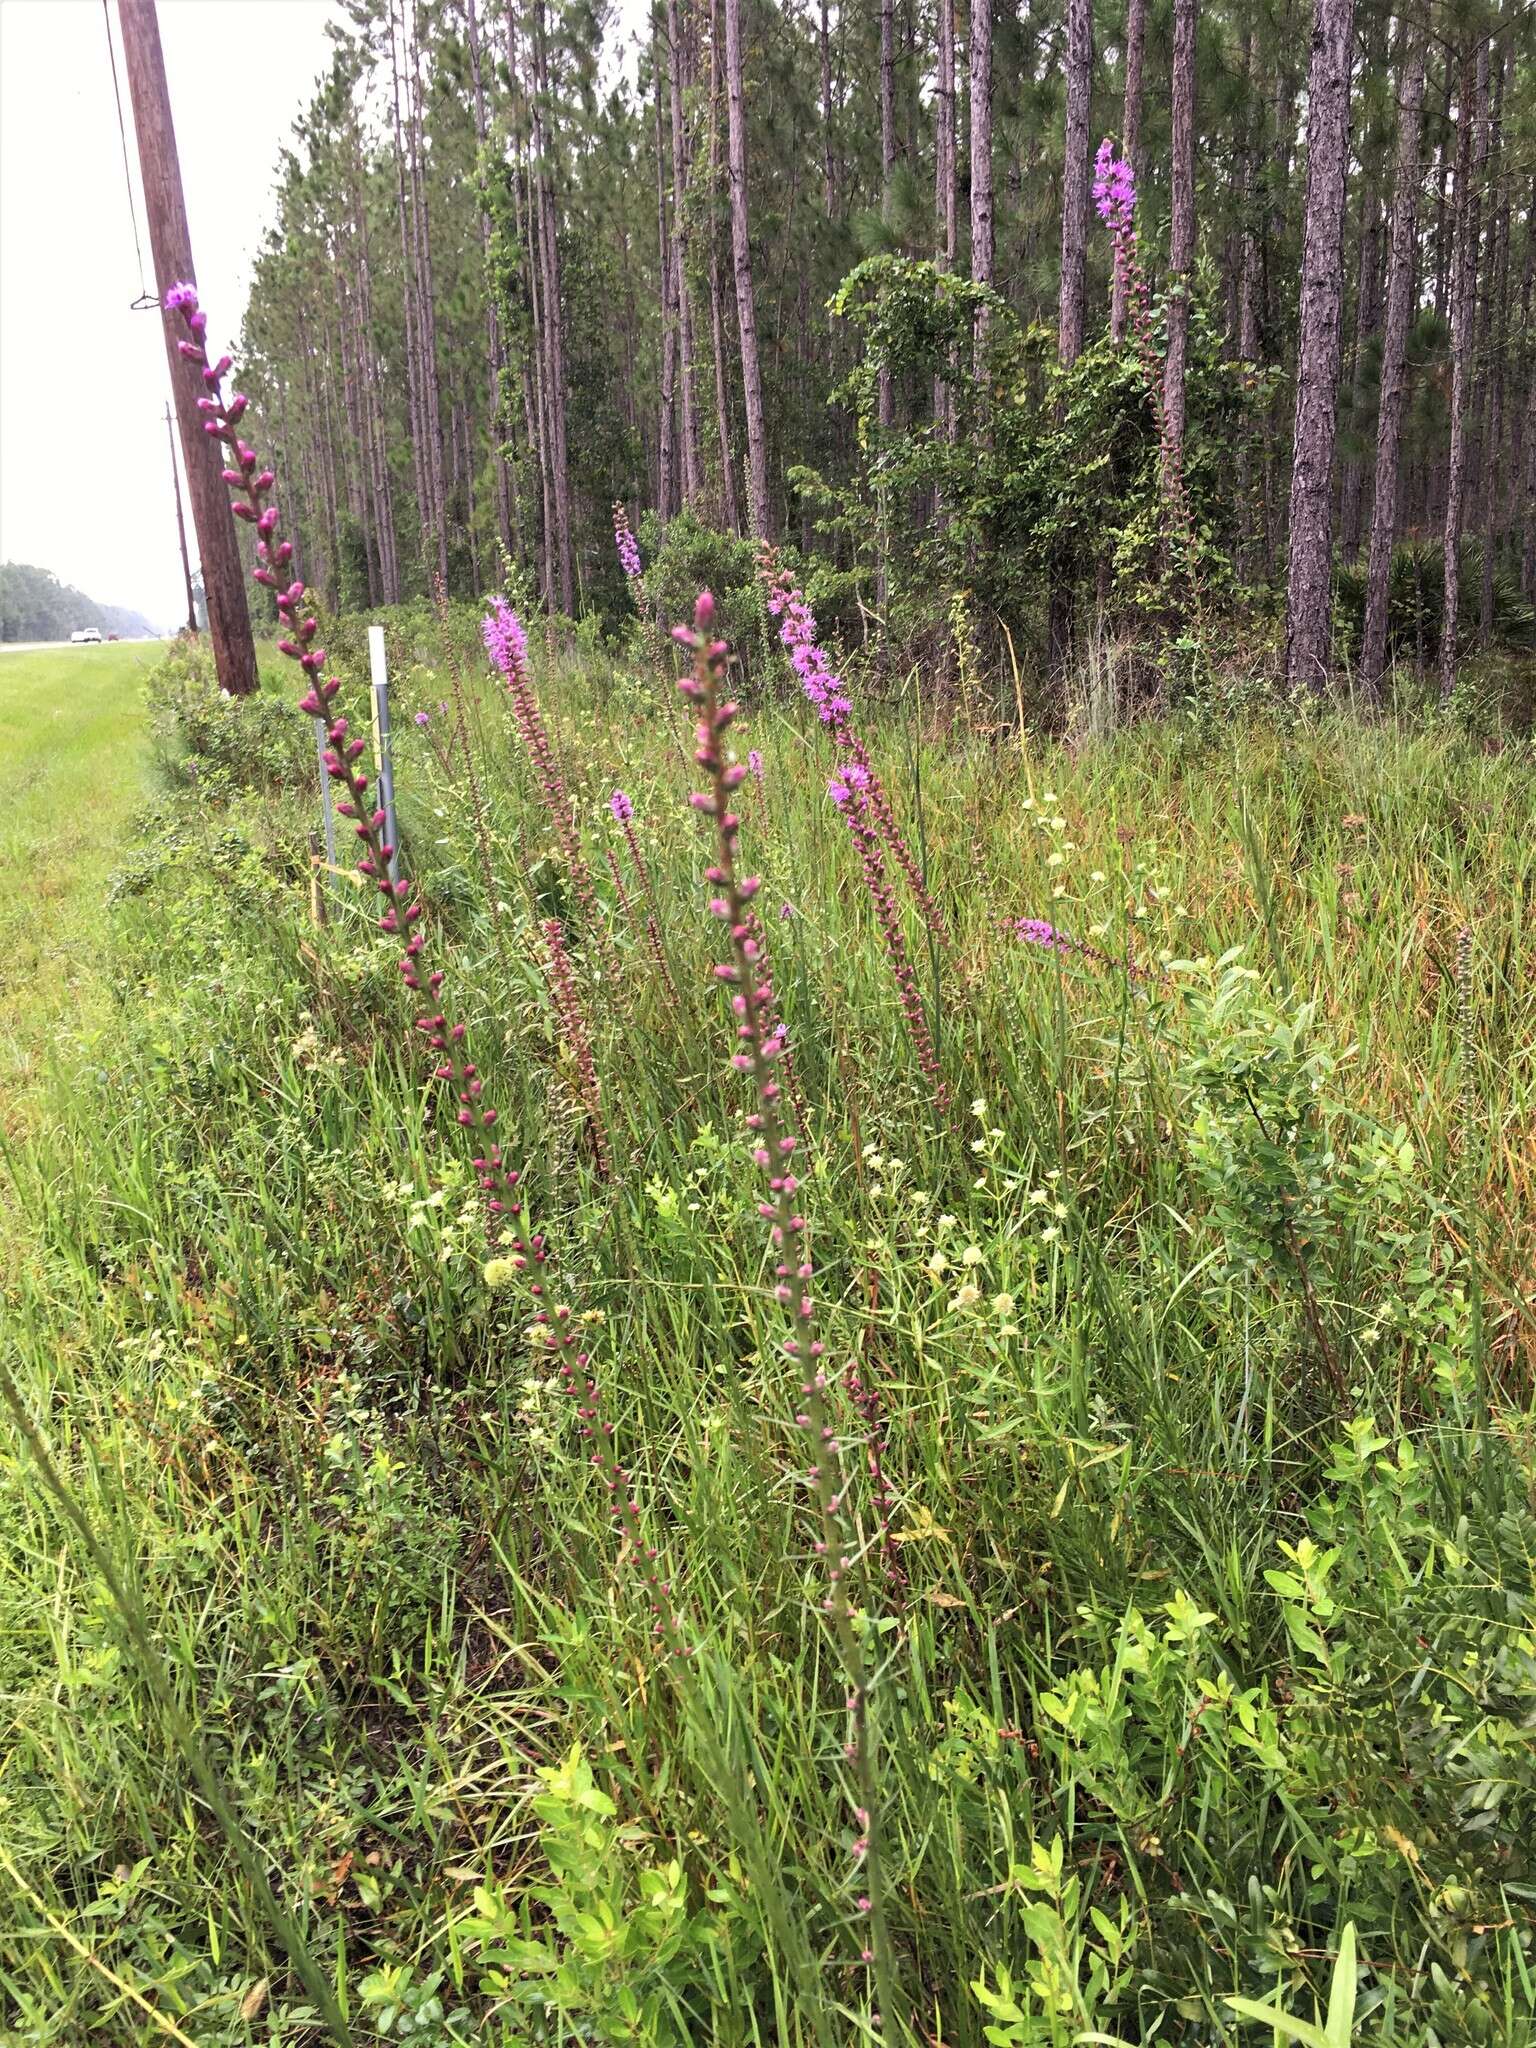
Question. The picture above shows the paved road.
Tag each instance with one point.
(63, 646)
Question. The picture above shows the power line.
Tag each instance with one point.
(146, 297)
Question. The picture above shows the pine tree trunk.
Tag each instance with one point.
(981, 156)
(426, 300)
(1130, 137)
(1367, 312)
(1253, 519)
(495, 365)
(730, 508)
(408, 295)
(1471, 115)
(1075, 181)
(946, 198)
(1181, 252)
(1496, 345)
(666, 450)
(885, 397)
(692, 478)
(1394, 354)
(828, 158)
(554, 326)
(758, 517)
(1443, 226)
(1309, 578)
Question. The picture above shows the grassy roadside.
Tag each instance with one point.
(72, 763)
(1203, 1584)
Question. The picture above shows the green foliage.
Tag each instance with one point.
(1416, 603)
(1189, 1658)
(201, 735)
(1051, 482)
(624, 1952)
(684, 556)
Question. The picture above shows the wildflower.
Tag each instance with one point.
(621, 807)
(824, 688)
(1114, 188)
(759, 1055)
(628, 550)
(755, 763)
(423, 718)
(562, 985)
(973, 1255)
(936, 1264)
(966, 1296)
(498, 1273)
(507, 642)
(1003, 1304)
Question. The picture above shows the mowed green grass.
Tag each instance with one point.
(73, 767)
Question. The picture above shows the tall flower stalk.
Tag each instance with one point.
(758, 1055)
(562, 987)
(826, 692)
(250, 486)
(624, 817)
(850, 793)
(1114, 199)
(506, 643)
(628, 549)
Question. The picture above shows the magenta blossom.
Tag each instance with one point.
(1114, 189)
(621, 807)
(1034, 931)
(626, 544)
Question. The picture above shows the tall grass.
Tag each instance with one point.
(1189, 1651)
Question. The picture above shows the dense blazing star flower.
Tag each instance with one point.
(1114, 188)
(504, 637)
(621, 807)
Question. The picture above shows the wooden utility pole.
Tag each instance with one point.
(229, 621)
(181, 526)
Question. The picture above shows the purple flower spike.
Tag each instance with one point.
(621, 807)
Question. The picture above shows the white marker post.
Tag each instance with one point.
(326, 813)
(381, 757)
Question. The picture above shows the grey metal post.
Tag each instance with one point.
(326, 814)
(379, 671)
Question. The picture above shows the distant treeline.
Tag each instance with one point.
(35, 605)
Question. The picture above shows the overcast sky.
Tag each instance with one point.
(84, 463)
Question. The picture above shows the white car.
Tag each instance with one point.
(87, 636)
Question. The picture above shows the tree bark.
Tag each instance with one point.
(980, 56)
(495, 363)
(1181, 253)
(554, 325)
(946, 197)
(693, 476)
(1471, 115)
(1130, 138)
(1075, 181)
(885, 399)
(730, 509)
(426, 299)
(828, 158)
(746, 308)
(1309, 577)
(1495, 348)
(1367, 306)
(170, 243)
(1394, 357)
(666, 451)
